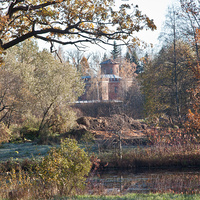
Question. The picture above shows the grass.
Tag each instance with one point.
(22, 151)
(165, 196)
(164, 156)
(157, 196)
(168, 150)
(165, 150)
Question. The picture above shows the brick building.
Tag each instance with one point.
(108, 86)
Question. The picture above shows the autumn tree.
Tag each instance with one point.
(158, 82)
(193, 121)
(133, 100)
(85, 68)
(69, 22)
(127, 69)
(191, 15)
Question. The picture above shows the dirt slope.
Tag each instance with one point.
(104, 127)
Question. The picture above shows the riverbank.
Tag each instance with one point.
(151, 157)
(170, 149)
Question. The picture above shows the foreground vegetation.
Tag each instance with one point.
(37, 91)
(63, 170)
(165, 149)
(138, 197)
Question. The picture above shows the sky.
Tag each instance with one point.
(154, 9)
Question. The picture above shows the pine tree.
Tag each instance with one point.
(116, 51)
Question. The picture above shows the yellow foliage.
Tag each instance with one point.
(21, 20)
(193, 122)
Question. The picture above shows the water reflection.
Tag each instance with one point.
(114, 182)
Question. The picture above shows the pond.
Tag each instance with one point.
(122, 182)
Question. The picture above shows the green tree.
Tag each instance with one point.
(116, 51)
(131, 55)
(52, 84)
(128, 56)
(14, 96)
(105, 57)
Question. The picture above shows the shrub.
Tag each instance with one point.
(65, 168)
(5, 134)
(29, 133)
(62, 121)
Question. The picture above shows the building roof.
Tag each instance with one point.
(110, 61)
(83, 77)
(110, 76)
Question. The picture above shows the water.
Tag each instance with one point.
(122, 182)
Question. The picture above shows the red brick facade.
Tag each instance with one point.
(110, 84)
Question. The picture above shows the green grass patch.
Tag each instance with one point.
(134, 196)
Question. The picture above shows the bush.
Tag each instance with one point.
(62, 121)
(29, 133)
(65, 168)
(5, 134)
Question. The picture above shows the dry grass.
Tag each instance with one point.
(171, 149)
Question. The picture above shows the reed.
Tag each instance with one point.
(165, 149)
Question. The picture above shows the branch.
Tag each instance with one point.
(35, 33)
(13, 9)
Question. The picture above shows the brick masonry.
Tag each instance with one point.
(110, 85)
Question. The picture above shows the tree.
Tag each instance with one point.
(131, 55)
(191, 15)
(193, 121)
(127, 69)
(128, 56)
(158, 82)
(53, 86)
(14, 96)
(95, 60)
(173, 26)
(75, 57)
(85, 68)
(105, 57)
(68, 22)
(116, 51)
(173, 29)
